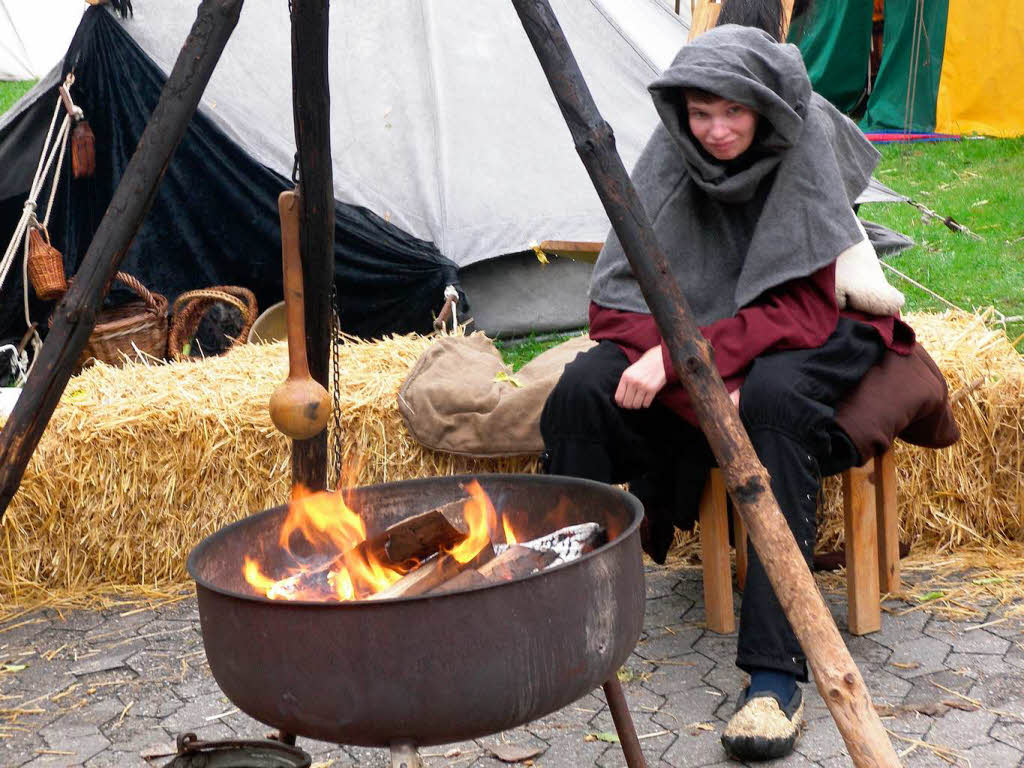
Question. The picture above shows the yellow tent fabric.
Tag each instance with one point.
(981, 89)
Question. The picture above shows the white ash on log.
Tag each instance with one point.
(567, 543)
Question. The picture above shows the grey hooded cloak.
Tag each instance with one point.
(783, 210)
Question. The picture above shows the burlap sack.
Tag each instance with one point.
(461, 398)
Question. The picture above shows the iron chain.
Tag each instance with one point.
(336, 441)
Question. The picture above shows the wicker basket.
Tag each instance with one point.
(190, 307)
(45, 266)
(137, 325)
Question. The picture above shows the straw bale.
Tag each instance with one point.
(139, 463)
(970, 495)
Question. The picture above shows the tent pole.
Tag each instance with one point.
(835, 673)
(311, 103)
(75, 316)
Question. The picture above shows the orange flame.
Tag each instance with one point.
(482, 521)
(332, 531)
(255, 576)
(510, 536)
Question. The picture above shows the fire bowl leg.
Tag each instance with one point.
(285, 738)
(624, 724)
(403, 755)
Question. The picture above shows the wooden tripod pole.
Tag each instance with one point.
(75, 316)
(836, 675)
(311, 108)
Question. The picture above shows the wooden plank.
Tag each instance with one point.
(861, 550)
(705, 16)
(578, 250)
(714, 543)
(888, 521)
(739, 536)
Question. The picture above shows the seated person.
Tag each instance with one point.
(749, 182)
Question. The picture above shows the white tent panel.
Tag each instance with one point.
(442, 121)
(34, 35)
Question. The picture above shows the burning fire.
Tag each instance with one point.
(326, 541)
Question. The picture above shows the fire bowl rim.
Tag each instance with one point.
(631, 501)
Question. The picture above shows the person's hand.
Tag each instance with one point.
(642, 381)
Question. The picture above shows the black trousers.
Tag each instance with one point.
(786, 405)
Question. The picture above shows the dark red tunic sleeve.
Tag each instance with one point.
(799, 314)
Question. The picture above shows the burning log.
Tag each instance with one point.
(432, 574)
(401, 547)
(516, 561)
(417, 537)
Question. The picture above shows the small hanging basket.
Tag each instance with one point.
(45, 265)
(191, 306)
(138, 326)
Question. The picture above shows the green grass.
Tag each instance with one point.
(519, 352)
(10, 92)
(978, 183)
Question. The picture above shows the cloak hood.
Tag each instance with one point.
(735, 229)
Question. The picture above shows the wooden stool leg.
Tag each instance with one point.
(861, 550)
(887, 515)
(714, 542)
(739, 537)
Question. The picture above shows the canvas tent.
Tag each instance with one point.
(450, 156)
(448, 147)
(947, 66)
(34, 35)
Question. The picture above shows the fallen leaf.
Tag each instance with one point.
(505, 376)
(694, 727)
(989, 580)
(515, 753)
(541, 256)
(609, 736)
(625, 675)
(927, 597)
(13, 667)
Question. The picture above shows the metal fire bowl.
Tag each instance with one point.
(431, 670)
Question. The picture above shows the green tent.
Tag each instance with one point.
(951, 66)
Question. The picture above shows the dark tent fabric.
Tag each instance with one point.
(835, 40)
(214, 220)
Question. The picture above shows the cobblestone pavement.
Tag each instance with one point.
(102, 688)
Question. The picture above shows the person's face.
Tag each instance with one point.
(724, 128)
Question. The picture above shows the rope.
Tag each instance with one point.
(914, 282)
(54, 148)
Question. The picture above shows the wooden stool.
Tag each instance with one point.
(872, 546)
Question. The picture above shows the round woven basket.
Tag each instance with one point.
(138, 326)
(190, 307)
